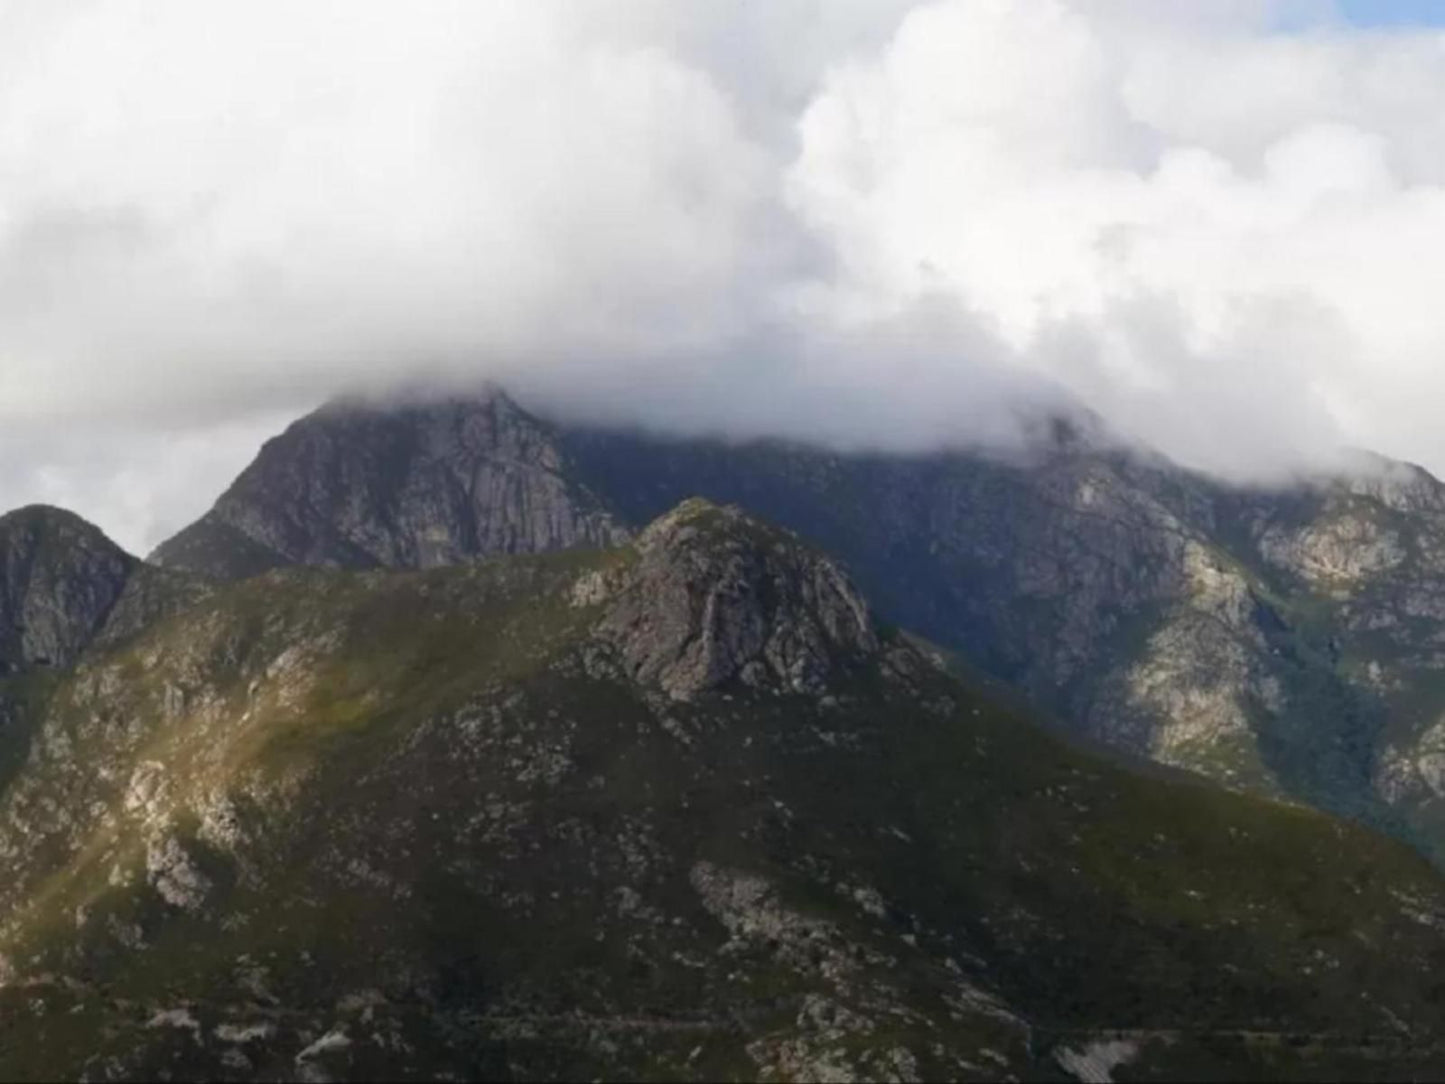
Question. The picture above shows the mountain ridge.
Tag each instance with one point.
(1227, 631)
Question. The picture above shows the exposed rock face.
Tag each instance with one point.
(717, 596)
(1194, 685)
(1333, 554)
(173, 873)
(358, 486)
(60, 578)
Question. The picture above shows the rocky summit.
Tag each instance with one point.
(715, 597)
(678, 808)
(361, 486)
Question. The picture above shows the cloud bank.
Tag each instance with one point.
(1219, 224)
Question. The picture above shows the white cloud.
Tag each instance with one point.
(1203, 231)
(140, 484)
(868, 220)
(208, 196)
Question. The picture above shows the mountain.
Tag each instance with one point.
(358, 486)
(59, 580)
(678, 808)
(1123, 595)
(1283, 641)
(64, 586)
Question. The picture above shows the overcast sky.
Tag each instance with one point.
(1218, 223)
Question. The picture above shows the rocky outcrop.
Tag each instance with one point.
(716, 596)
(1192, 689)
(60, 578)
(1335, 553)
(174, 875)
(356, 485)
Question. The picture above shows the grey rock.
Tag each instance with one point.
(716, 596)
(361, 486)
(174, 874)
(60, 578)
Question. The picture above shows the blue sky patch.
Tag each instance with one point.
(1394, 12)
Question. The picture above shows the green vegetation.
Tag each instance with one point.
(424, 812)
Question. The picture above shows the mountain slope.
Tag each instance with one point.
(679, 809)
(1365, 558)
(1281, 640)
(1108, 586)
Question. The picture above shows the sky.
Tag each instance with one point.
(1218, 224)
(1392, 12)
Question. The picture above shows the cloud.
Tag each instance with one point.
(140, 484)
(867, 221)
(1202, 228)
(270, 198)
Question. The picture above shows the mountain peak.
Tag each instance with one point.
(413, 484)
(49, 517)
(717, 596)
(60, 577)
